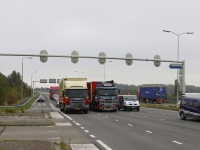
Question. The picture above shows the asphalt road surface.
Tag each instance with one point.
(151, 129)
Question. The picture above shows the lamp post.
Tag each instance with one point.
(31, 82)
(79, 72)
(177, 55)
(34, 86)
(22, 91)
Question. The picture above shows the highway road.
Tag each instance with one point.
(150, 129)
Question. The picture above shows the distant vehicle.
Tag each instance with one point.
(128, 102)
(73, 95)
(40, 98)
(56, 99)
(103, 95)
(53, 90)
(152, 94)
(192, 95)
(189, 108)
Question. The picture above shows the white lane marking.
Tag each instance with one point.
(60, 111)
(86, 130)
(148, 131)
(106, 116)
(74, 121)
(116, 120)
(44, 104)
(82, 128)
(163, 114)
(104, 145)
(39, 104)
(130, 125)
(177, 142)
(98, 114)
(77, 124)
(92, 136)
(63, 124)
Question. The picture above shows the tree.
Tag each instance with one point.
(3, 88)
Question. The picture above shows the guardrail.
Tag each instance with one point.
(21, 104)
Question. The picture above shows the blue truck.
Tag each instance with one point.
(152, 94)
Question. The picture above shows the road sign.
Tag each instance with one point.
(176, 66)
(157, 63)
(52, 80)
(102, 60)
(43, 58)
(74, 59)
(58, 80)
(43, 80)
(129, 62)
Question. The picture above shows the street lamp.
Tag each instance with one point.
(34, 86)
(177, 55)
(79, 72)
(22, 91)
(31, 83)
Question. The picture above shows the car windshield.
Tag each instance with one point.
(56, 96)
(40, 97)
(111, 92)
(131, 98)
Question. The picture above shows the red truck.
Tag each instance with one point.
(103, 96)
(53, 90)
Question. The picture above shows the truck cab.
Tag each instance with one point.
(128, 102)
(104, 97)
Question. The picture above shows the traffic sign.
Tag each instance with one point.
(157, 63)
(43, 80)
(43, 58)
(74, 59)
(176, 66)
(52, 80)
(129, 62)
(102, 60)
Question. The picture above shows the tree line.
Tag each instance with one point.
(10, 89)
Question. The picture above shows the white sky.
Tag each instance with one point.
(116, 27)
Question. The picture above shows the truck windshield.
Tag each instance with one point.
(76, 93)
(111, 92)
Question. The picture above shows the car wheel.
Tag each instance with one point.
(85, 111)
(138, 109)
(182, 116)
(118, 108)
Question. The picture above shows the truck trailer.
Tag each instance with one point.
(73, 95)
(152, 94)
(103, 96)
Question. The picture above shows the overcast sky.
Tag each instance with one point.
(115, 27)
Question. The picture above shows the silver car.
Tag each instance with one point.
(56, 99)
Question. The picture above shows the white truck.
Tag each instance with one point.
(73, 95)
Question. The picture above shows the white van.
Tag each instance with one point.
(128, 102)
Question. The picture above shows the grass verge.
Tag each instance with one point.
(19, 109)
(157, 106)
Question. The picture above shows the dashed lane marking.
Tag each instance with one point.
(86, 130)
(116, 120)
(77, 124)
(82, 128)
(92, 136)
(130, 125)
(177, 142)
(148, 131)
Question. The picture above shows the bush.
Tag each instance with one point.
(10, 110)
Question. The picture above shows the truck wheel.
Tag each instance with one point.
(85, 111)
(118, 108)
(61, 108)
(182, 116)
(114, 110)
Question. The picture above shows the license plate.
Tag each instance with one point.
(78, 108)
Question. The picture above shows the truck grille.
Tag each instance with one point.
(77, 102)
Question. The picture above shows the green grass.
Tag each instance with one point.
(158, 106)
(19, 109)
